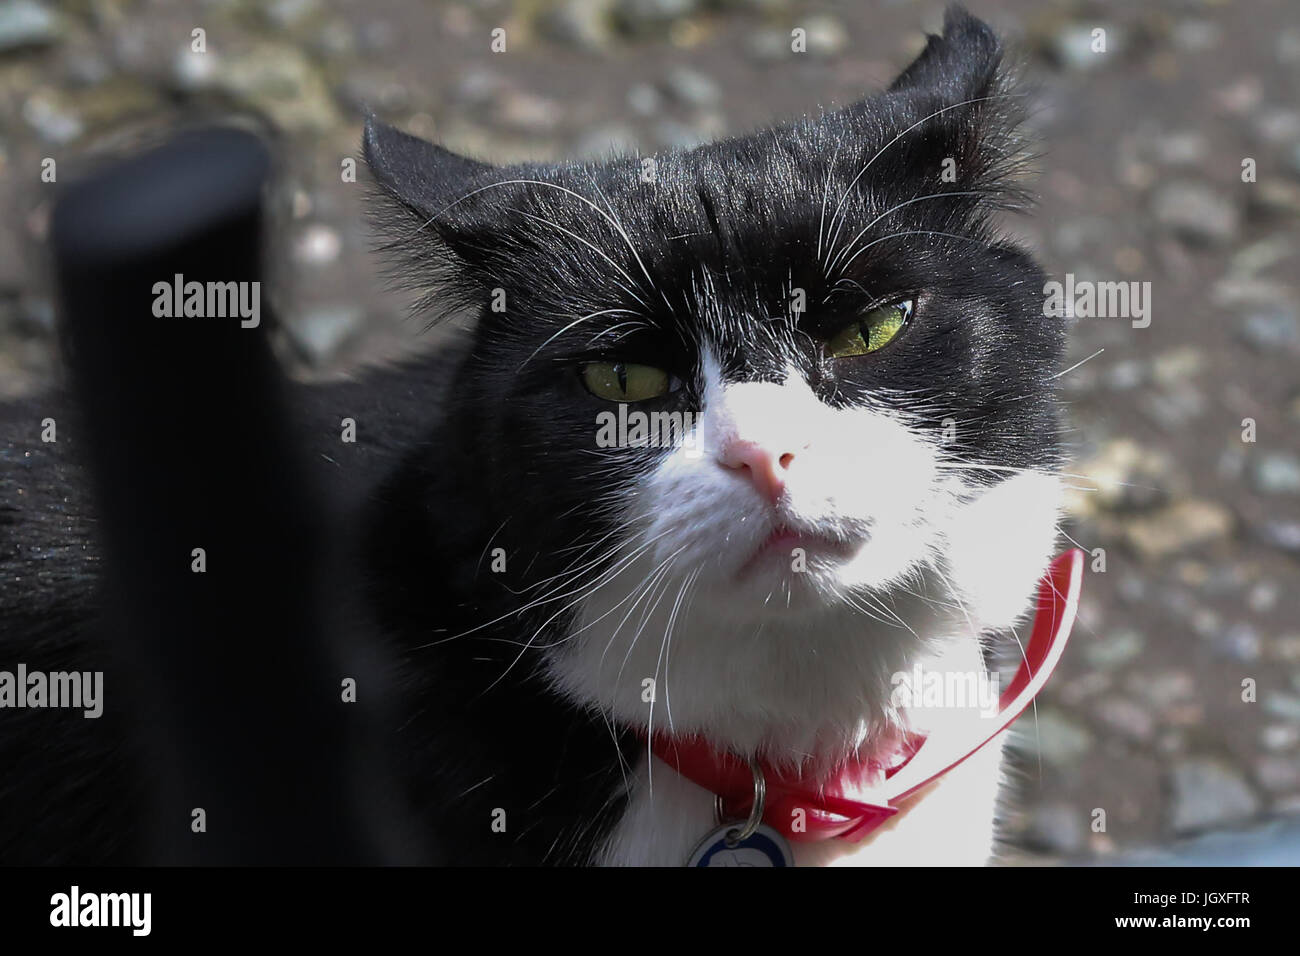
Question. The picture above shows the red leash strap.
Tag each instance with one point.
(864, 793)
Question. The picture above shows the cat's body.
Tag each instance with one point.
(548, 600)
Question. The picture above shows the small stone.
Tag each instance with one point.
(1238, 290)
(1262, 597)
(826, 36)
(645, 16)
(1208, 794)
(1186, 524)
(1231, 464)
(36, 315)
(1288, 45)
(52, 117)
(1196, 213)
(1114, 650)
(1124, 375)
(280, 81)
(1206, 623)
(320, 332)
(1163, 690)
(1275, 198)
(1074, 691)
(588, 24)
(1281, 534)
(528, 112)
(1056, 828)
(691, 87)
(1280, 737)
(1133, 588)
(1278, 774)
(612, 139)
(1073, 46)
(1271, 329)
(1171, 743)
(317, 245)
(376, 36)
(1061, 740)
(1127, 477)
(1282, 705)
(25, 23)
(335, 39)
(1258, 256)
(768, 44)
(194, 71)
(1278, 126)
(1175, 408)
(1195, 36)
(753, 6)
(1181, 148)
(1240, 642)
(1174, 367)
(644, 99)
(477, 87)
(287, 13)
(1287, 647)
(1126, 718)
(1277, 473)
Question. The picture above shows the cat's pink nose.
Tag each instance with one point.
(764, 467)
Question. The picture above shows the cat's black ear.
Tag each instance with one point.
(420, 175)
(960, 66)
(429, 214)
(959, 115)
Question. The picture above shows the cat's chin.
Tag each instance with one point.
(796, 557)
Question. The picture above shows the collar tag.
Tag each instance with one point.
(764, 847)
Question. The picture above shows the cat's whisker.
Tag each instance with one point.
(529, 644)
(571, 325)
(911, 232)
(826, 192)
(1075, 365)
(880, 152)
(644, 589)
(664, 646)
(563, 189)
(550, 596)
(619, 226)
(956, 596)
(594, 248)
(609, 332)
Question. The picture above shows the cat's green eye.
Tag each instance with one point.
(624, 381)
(872, 331)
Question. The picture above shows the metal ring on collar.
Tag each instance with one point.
(735, 837)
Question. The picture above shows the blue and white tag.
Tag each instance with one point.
(764, 847)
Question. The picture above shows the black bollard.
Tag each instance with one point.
(222, 571)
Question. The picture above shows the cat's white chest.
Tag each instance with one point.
(950, 824)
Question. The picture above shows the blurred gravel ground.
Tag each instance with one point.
(1141, 179)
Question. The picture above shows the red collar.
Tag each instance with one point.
(805, 809)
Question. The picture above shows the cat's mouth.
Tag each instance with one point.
(794, 549)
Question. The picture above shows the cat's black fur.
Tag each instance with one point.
(489, 444)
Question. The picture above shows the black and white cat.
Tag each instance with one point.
(866, 483)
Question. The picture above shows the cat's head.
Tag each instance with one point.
(859, 360)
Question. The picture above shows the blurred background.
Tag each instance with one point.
(1140, 179)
